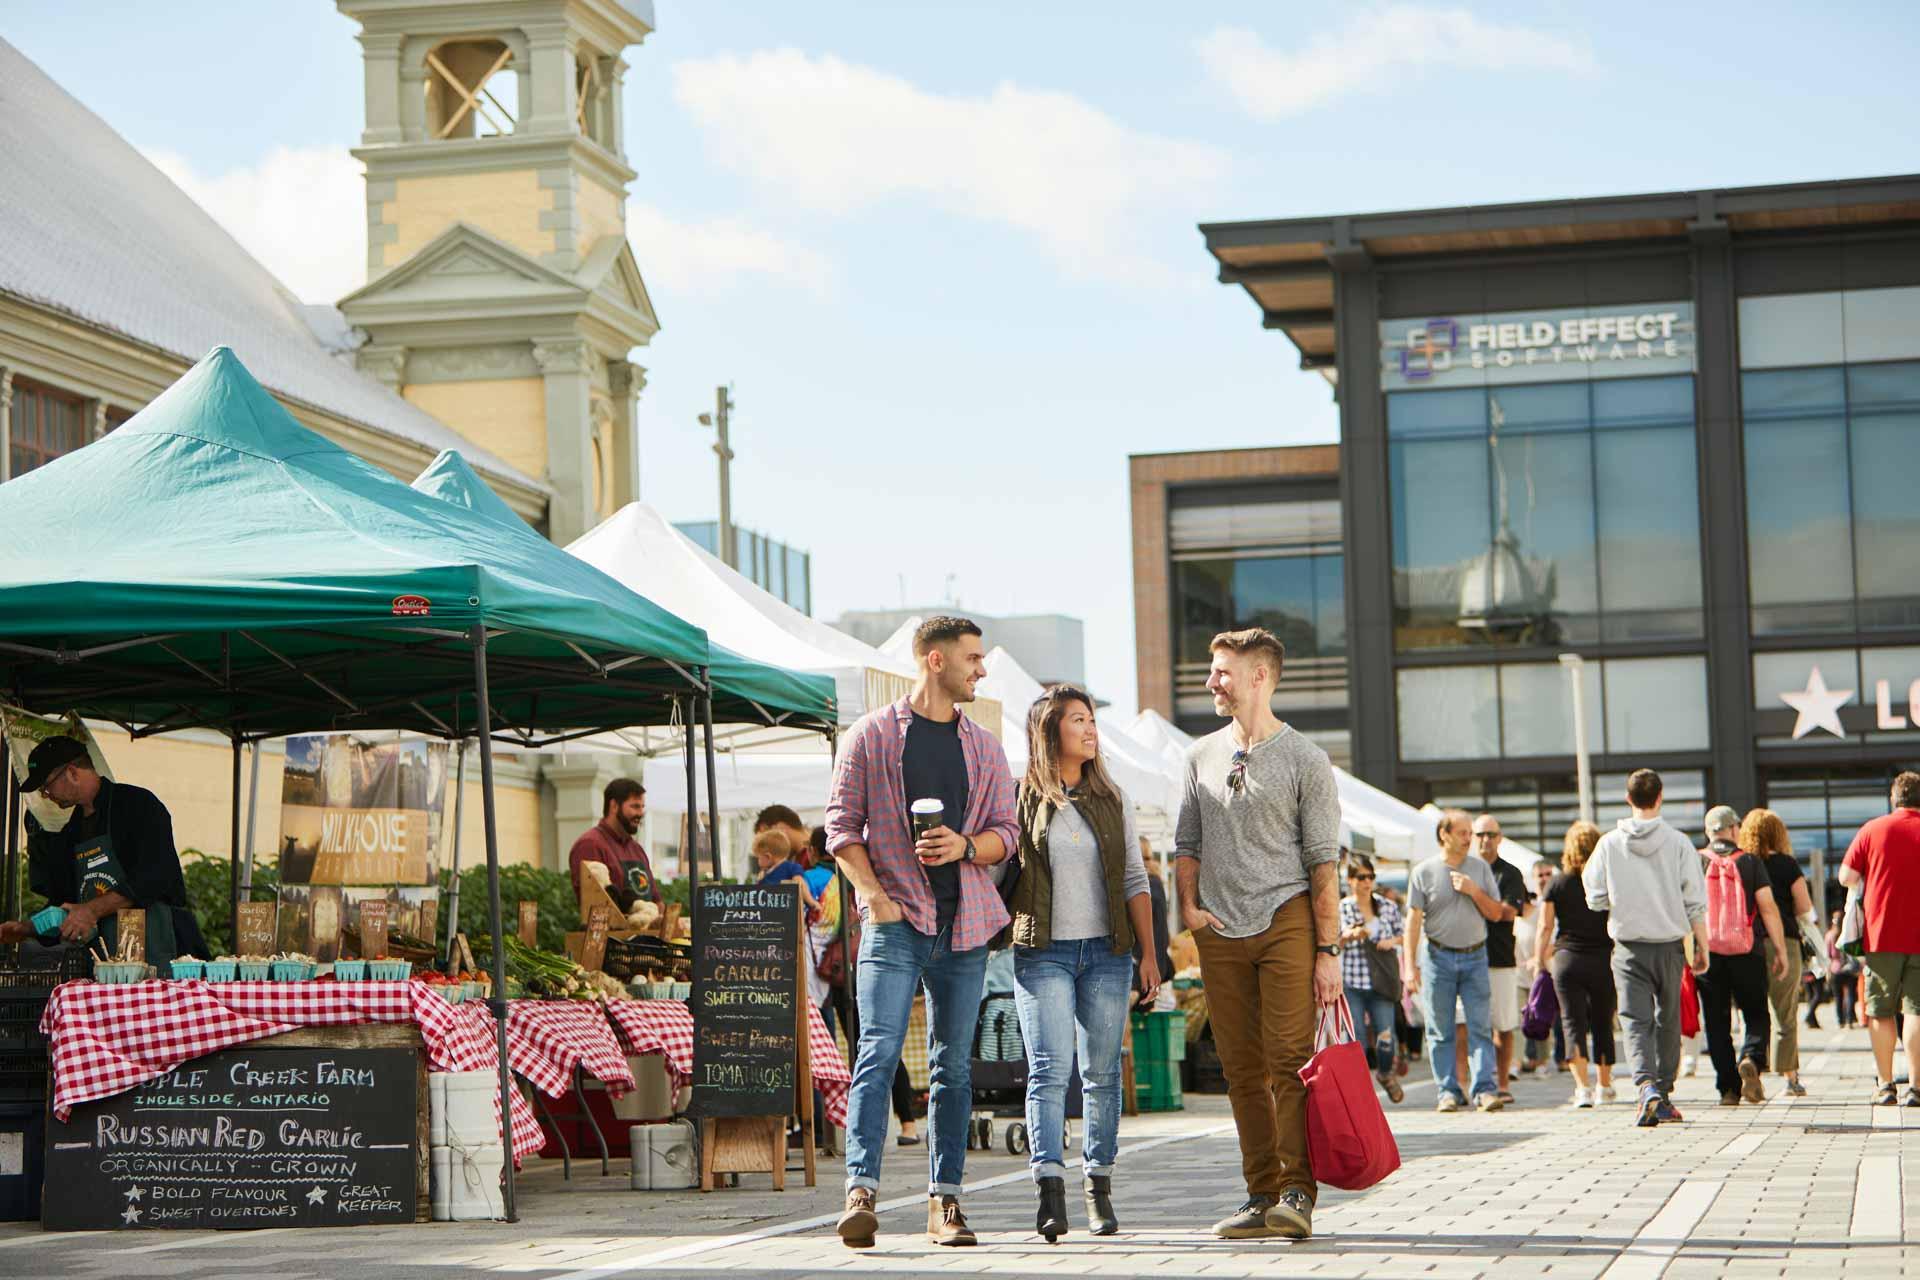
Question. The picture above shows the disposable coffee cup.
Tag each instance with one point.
(925, 816)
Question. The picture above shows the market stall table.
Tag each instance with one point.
(552, 1043)
(665, 1027)
(106, 1038)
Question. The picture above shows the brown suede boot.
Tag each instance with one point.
(946, 1224)
(859, 1222)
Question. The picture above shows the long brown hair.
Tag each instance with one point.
(1043, 748)
(1578, 846)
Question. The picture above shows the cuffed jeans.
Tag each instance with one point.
(1260, 1007)
(1364, 1003)
(1647, 977)
(1447, 977)
(1072, 995)
(895, 960)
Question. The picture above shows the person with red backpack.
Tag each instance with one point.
(1739, 897)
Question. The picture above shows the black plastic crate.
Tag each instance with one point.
(23, 1077)
(23, 1147)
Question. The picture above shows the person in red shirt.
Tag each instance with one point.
(610, 843)
(1885, 858)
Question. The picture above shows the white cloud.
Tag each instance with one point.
(301, 211)
(1370, 51)
(836, 137)
(717, 253)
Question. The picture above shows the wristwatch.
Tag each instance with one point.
(968, 855)
(1327, 950)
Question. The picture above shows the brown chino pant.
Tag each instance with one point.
(1260, 1006)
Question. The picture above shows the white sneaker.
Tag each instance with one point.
(1583, 1097)
(1688, 1064)
(1607, 1094)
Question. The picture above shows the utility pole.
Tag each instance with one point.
(1583, 765)
(722, 406)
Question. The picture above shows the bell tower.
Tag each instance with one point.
(502, 296)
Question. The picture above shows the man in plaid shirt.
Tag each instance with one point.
(930, 907)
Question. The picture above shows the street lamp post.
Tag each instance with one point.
(722, 406)
(1576, 672)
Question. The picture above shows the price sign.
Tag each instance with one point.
(132, 943)
(373, 930)
(256, 929)
(594, 953)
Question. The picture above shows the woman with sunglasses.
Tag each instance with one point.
(1370, 937)
(1081, 900)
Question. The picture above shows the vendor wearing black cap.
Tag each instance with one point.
(116, 851)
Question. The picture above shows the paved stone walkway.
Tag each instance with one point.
(1825, 1186)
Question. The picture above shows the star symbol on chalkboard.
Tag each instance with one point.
(134, 1193)
(131, 1216)
(317, 1196)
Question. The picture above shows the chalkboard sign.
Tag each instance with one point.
(256, 929)
(246, 1137)
(746, 1000)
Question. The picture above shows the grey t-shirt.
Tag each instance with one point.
(1256, 844)
(1079, 877)
(1451, 919)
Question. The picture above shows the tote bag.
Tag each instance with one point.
(1542, 1011)
(1348, 1140)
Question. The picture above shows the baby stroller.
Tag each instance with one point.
(1000, 1080)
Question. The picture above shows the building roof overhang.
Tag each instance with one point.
(1287, 265)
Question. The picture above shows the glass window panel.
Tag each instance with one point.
(1441, 531)
(1448, 713)
(1885, 425)
(1277, 594)
(1203, 596)
(1656, 704)
(1791, 329)
(1778, 673)
(1559, 406)
(1536, 709)
(1799, 540)
(1437, 413)
(1330, 604)
(1649, 521)
(1643, 402)
(1883, 324)
(1544, 502)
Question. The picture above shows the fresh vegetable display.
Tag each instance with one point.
(546, 976)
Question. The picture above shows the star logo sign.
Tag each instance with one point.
(1819, 706)
(317, 1196)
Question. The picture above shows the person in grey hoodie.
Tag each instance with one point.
(1648, 877)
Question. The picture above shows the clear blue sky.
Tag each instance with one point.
(947, 253)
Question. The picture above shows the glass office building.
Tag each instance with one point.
(1671, 434)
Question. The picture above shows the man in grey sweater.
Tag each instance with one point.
(1647, 876)
(1254, 852)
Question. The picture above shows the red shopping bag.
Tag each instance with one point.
(1348, 1140)
(1689, 1003)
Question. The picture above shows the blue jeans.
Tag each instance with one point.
(1365, 1004)
(895, 960)
(1072, 996)
(1451, 976)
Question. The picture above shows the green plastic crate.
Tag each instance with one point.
(1157, 1085)
(1160, 1036)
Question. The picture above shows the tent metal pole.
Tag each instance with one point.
(713, 781)
(498, 1004)
(253, 812)
(233, 861)
(10, 893)
(453, 891)
(690, 854)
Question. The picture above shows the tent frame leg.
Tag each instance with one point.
(498, 1003)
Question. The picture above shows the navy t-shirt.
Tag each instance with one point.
(934, 768)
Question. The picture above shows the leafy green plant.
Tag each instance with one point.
(551, 890)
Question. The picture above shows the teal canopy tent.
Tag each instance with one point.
(214, 564)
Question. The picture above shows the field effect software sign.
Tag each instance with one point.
(1536, 346)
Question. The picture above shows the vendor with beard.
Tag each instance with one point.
(115, 852)
(610, 843)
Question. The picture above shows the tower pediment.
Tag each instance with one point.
(466, 271)
(612, 275)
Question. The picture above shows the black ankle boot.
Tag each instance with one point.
(1051, 1221)
(1101, 1220)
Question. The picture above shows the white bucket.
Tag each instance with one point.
(464, 1103)
(466, 1183)
(664, 1158)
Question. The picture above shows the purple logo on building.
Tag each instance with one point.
(1429, 349)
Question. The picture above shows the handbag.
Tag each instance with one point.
(1349, 1142)
(1383, 970)
(1689, 1003)
(1542, 1011)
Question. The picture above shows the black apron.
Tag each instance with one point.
(98, 872)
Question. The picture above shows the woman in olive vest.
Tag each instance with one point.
(1080, 901)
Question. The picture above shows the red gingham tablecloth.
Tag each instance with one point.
(547, 1039)
(105, 1038)
(665, 1027)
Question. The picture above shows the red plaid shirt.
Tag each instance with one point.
(868, 805)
